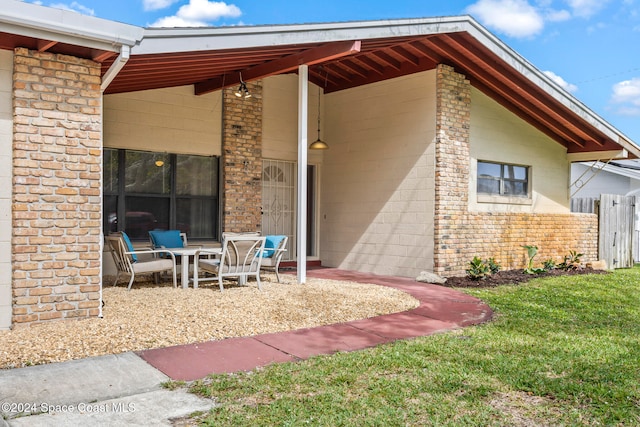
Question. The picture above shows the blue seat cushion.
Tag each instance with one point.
(270, 244)
(166, 239)
(127, 242)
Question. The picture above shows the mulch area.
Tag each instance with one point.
(513, 277)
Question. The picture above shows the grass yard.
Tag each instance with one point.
(561, 351)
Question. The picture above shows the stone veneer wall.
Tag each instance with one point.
(242, 160)
(459, 234)
(57, 163)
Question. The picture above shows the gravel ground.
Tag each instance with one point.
(151, 316)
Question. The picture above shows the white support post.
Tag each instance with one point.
(303, 113)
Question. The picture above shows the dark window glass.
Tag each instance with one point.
(143, 214)
(110, 214)
(196, 217)
(148, 173)
(110, 181)
(196, 176)
(144, 191)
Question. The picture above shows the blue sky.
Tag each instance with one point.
(590, 46)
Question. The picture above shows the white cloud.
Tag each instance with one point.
(157, 4)
(626, 95)
(515, 18)
(199, 13)
(561, 82)
(557, 15)
(586, 8)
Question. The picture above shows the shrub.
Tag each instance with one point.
(478, 269)
(549, 265)
(494, 266)
(571, 261)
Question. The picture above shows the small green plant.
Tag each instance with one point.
(531, 253)
(549, 265)
(478, 269)
(571, 261)
(494, 266)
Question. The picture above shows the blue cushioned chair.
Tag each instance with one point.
(167, 239)
(274, 248)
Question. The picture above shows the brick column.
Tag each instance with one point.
(242, 160)
(57, 163)
(453, 115)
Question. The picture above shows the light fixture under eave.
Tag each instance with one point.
(242, 91)
(318, 144)
(159, 163)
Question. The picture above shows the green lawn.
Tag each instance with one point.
(562, 351)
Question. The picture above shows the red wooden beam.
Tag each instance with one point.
(279, 66)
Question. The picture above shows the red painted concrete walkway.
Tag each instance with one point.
(440, 309)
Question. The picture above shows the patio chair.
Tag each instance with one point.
(274, 249)
(241, 258)
(167, 239)
(127, 261)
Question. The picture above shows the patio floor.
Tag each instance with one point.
(440, 309)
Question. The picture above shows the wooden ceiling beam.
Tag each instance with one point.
(404, 53)
(385, 57)
(506, 88)
(45, 45)
(313, 56)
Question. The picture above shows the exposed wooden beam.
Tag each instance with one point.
(289, 63)
(507, 89)
(45, 45)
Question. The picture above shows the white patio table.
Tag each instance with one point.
(186, 254)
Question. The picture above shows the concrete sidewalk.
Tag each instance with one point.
(99, 391)
(126, 389)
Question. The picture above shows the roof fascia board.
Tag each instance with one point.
(25, 19)
(171, 40)
(629, 173)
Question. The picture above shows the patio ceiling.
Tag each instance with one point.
(347, 61)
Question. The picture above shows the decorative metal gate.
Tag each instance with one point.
(618, 228)
(279, 202)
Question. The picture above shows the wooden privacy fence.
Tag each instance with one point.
(618, 227)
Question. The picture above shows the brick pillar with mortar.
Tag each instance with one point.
(57, 205)
(453, 115)
(242, 160)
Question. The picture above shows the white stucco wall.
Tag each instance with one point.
(280, 119)
(602, 183)
(172, 120)
(376, 212)
(6, 144)
(498, 135)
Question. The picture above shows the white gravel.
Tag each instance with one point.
(152, 316)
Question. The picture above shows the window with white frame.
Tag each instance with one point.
(502, 179)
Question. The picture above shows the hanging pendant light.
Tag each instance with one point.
(318, 144)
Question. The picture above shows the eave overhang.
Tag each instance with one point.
(339, 55)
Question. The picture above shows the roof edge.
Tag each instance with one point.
(17, 17)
